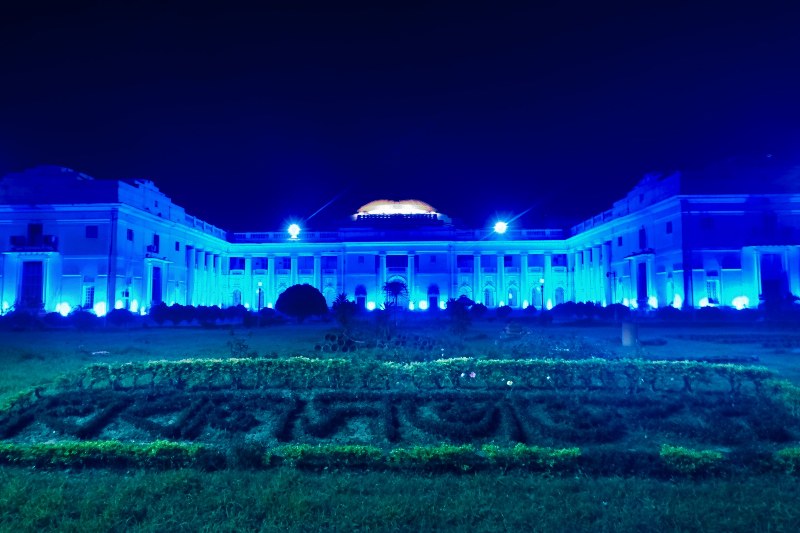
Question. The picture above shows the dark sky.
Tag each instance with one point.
(249, 117)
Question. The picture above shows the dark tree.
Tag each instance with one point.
(344, 310)
(301, 302)
(394, 290)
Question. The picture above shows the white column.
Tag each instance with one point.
(477, 292)
(381, 276)
(411, 289)
(318, 272)
(248, 290)
(549, 289)
(293, 271)
(524, 292)
(502, 293)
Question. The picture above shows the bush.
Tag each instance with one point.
(344, 310)
(690, 462)
(301, 302)
(120, 317)
(479, 310)
(458, 311)
(503, 311)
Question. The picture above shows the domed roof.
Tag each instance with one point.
(394, 207)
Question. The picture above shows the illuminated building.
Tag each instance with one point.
(69, 241)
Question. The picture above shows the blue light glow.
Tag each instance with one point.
(294, 231)
(741, 302)
(63, 308)
(370, 306)
(500, 227)
(423, 305)
(99, 309)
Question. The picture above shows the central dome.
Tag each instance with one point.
(393, 207)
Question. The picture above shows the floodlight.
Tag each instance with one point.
(294, 231)
(500, 227)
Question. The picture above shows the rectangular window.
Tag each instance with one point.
(360, 259)
(619, 241)
(283, 263)
(712, 289)
(35, 232)
(130, 235)
(236, 263)
(329, 262)
(669, 227)
(177, 246)
(156, 242)
(465, 262)
(508, 261)
(88, 296)
(260, 263)
(91, 232)
(433, 259)
(305, 263)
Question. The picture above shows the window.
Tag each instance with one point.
(88, 296)
(619, 241)
(260, 263)
(707, 223)
(360, 259)
(642, 239)
(130, 235)
(712, 289)
(156, 242)
(669, 227)
(329, 262)
(35, 232)
(465, 262)
(177, 246)
(433, 259)
(91, 232)
(508, 261)
(236, 263)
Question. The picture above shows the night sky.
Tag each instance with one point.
(248, 118)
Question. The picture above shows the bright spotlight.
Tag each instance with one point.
(500, 227)
(294, 230)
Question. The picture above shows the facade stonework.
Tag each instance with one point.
(69, 241)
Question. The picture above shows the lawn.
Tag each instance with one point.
(488, 496)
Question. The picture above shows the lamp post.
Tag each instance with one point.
(541, 288)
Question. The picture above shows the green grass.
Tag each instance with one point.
(288, 499)
(292, 500)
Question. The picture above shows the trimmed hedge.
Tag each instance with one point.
(159, 454)
(631, 376)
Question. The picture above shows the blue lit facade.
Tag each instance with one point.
(68, 240)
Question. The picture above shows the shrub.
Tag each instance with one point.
(789, 460)
(503, 311)
(120, 317)
(479, 310)
(344, 310)
(301, 302)
(689, 462)
(458, 311)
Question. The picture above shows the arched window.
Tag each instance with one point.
(559, 295)
(513, 297)
(361, 296)
(488, 297)
(536, 297)
(433, 297)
